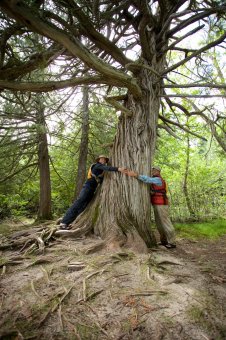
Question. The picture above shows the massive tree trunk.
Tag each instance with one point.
(121, 213)
(83, 149)
(44, 212)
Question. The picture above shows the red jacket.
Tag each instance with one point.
(158, 193)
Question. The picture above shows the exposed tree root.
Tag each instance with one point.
(12, 261)
(29, 241)
(42, 260)
(96, 247)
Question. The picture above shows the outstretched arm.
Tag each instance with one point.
(145, 179)
(150, 180)
(109, 168)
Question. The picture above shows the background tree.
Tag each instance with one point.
(45, 211)
(83, 148)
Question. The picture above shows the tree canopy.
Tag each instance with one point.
(105, 43)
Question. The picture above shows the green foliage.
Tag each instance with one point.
(19, 204)
(206, 182)
(210, 230)
(5, 210)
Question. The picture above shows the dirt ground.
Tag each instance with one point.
(77, 290)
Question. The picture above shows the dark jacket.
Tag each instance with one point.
(98, 169)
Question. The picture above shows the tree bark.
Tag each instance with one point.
(121, 211)
(45, 212)
(83, 149)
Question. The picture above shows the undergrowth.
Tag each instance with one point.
(211, 230)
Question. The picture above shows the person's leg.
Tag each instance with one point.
(163, 238)
(164, 224)
(78, 206)
(89, 198)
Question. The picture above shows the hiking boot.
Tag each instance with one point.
(64, 226)
(170, 245)
(161, 243)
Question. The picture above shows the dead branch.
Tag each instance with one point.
(3, 270)
(41, 260)
(34, 290)
(89, 297)
(84, 289)
(95, 273)
(41, 244)
(169, 262)
(76, 265)
(62, 299)
(150, 292)
(60, 318)
(46, 274)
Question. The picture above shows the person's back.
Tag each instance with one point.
(159, 192)
(96, 174)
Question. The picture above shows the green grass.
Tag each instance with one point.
(8, 226)
(210, 230)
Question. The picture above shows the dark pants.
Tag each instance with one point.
(79, 205)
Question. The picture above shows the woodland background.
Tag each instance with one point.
(193, 167)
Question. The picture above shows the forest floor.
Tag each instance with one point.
(77, 290)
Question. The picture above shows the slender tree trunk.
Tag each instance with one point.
(121, 211)
(185, 184)
(45, 212)
(83, 149)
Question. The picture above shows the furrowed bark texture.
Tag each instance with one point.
(122, 212)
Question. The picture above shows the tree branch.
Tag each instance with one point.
(30, 18)
(146, 19)
(209, 85)
(182, 127)
(137, 66)
(196, 18)
(221, 140)
(203, 49)
(53, 85)
(114, 102)
(193, 95)
(168, 130)
(89, 30)
(170, 47)
(168, 10)
(36, 61)
(17, 172)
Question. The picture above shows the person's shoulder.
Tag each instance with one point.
(96, 166)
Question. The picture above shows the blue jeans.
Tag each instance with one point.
(79, 205)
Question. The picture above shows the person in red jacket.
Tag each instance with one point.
(159, 201)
